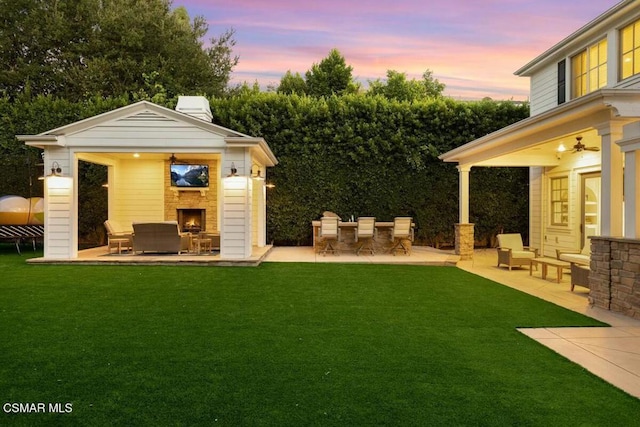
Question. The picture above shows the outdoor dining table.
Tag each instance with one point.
(347, 242)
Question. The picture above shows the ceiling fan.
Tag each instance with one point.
(581, 147)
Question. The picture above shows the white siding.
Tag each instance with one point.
(544, 90)
(145, 130)
(60, 212)
(235, 236)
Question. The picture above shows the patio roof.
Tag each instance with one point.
(140, 112)
(534, 141)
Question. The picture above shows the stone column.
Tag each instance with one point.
(464, 241)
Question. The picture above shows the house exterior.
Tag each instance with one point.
(139, 144)
(582, 146)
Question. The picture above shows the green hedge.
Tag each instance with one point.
(357, 155)
(354, 155)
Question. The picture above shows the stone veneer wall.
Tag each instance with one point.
(464, 241)
(614, 280)
(190, 199)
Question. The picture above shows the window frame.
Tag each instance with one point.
(589, 69)
(632, 52)
(559, 201)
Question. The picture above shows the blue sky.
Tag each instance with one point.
(472, 46)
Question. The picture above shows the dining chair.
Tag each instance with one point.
(365, 234)
(329, 234)
(402, 232)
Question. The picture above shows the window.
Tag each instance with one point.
(589, 69)
(630, 50)
(560, 201)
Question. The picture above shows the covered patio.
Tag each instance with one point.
(163, 166)
(583, 190)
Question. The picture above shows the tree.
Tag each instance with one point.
(331, 76)
(433, 86)
(76, 49)
(399, 88)
(292, 83)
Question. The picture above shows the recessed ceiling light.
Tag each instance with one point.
(136, 155)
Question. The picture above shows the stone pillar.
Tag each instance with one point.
(614, 280)
(464, 241)
(600, 274)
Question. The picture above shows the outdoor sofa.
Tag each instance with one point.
(159, 237)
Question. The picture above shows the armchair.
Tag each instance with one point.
(512, 252)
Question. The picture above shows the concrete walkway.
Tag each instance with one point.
(612, 353)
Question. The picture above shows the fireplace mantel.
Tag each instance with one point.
(178, 190)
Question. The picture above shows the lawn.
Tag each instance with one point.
(287, 344)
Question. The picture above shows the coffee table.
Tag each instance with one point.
(545, 263)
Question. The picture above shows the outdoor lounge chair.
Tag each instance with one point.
(329, 234)
(118, 237)
(159, 237)
(365, 234)
(402, 235)
(512, 252)
(582, 257)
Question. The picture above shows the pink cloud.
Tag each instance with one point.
(471, 46)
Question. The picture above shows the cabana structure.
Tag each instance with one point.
(582, 146)
(145, 147)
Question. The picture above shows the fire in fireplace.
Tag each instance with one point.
(192, 220)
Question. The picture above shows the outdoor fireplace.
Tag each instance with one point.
(192, 220)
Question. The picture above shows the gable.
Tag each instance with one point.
(146, 129)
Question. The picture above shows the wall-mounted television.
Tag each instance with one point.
(185, 175)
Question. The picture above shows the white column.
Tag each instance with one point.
(632, 195)
(463, 193)
(612, 181)
(630, 145)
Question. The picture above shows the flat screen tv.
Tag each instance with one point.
(196, 176)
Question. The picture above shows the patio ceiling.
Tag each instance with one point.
(534, 141)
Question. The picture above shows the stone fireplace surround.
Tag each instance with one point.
(181, 199)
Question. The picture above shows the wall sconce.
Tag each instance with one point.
(56, 170)
(256, 175)
(234, 171)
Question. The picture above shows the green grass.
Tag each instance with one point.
(287, 344)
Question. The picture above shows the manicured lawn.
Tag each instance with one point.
(287, 344)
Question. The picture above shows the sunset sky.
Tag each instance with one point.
(472, 46)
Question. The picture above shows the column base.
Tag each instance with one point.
(464, 241)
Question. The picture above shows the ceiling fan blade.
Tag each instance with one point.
(592, 148)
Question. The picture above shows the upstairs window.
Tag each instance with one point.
(630, 50)
(589, 69)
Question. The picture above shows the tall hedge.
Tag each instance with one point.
(370, 156)
(353, 155)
